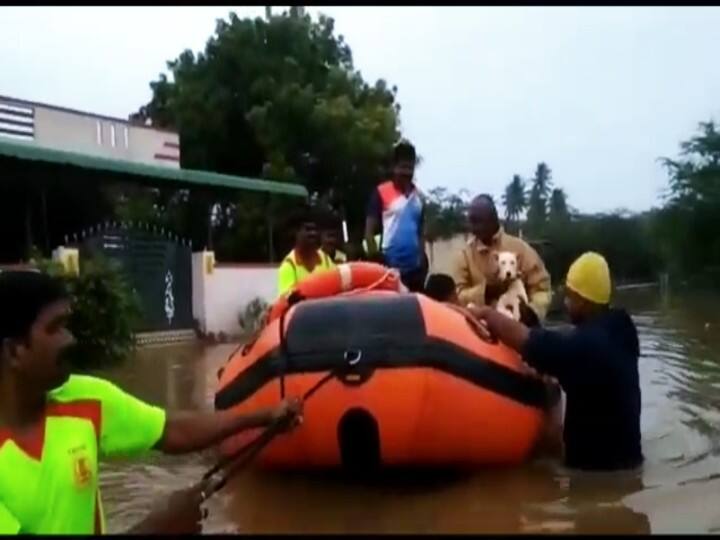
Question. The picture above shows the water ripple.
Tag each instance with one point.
(680, 378)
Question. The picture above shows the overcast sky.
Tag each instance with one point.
(486, 92)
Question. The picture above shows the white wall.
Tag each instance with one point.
(219, 297)
(442, 253)
(198, 289)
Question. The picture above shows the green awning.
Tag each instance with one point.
(34, 152)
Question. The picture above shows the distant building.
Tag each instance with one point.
(65, 129)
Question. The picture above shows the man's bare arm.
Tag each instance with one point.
(508, 331)
(193, 432)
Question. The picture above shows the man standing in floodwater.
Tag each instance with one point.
(596, 364)
(55, 426)
(306, 257)
(396, 208)
(475, 270)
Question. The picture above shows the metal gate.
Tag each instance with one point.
(157, 265)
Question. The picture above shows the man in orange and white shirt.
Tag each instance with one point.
(396, 208)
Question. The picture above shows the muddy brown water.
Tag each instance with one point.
(677, 490)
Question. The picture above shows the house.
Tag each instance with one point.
(60, 128)
(54, 164)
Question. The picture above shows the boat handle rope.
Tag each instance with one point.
(245, 454)
(248, 451)
(293, 299)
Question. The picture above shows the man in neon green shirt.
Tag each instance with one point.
(54, 426)
(307, 257)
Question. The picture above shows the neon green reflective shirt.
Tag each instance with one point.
(49, 477)
(291, 272)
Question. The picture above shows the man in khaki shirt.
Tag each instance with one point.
(475, 269)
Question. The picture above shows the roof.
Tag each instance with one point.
(33, 152)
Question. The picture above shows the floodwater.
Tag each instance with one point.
(677, 490)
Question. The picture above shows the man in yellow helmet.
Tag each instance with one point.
(596, 364)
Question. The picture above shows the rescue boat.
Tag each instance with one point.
(408, 383)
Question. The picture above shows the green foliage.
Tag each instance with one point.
(559, 213)
(626, 241)
(538, 198)
(515, 200)
(252, 317)
(629, 241)
(687, 227)
(444, 213)
(277, 98)
(164, 207)
(105, 311)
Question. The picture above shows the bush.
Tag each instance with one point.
(105, 312)
(252, 317)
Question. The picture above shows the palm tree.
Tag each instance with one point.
(543, 180)
(559, 212)
(514, 199)
(538, 199)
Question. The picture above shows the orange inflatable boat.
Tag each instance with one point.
(414, 386)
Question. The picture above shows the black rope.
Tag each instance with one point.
(294, 298)
(283, 354)
(245, 454)
(248, 451)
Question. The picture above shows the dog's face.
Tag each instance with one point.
(507, 264)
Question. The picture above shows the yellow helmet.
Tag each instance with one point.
(589, 276)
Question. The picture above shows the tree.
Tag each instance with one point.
(514, 200)
(687, 227)
(538, 199)
(559, 213)
(277, 98)
(444, 213)
(627, 242)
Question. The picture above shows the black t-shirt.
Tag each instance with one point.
(597, 365)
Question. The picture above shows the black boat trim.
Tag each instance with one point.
(433, 353)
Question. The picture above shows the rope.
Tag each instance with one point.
(388, 273)
(292, 300)
(245, 454)
(248, 451)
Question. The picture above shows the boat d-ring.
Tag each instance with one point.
(354, 373)
(348, 356)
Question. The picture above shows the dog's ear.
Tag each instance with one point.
(496, 256)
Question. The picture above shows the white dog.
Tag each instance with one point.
(509, 302)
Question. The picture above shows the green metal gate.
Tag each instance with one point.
(157, 264)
